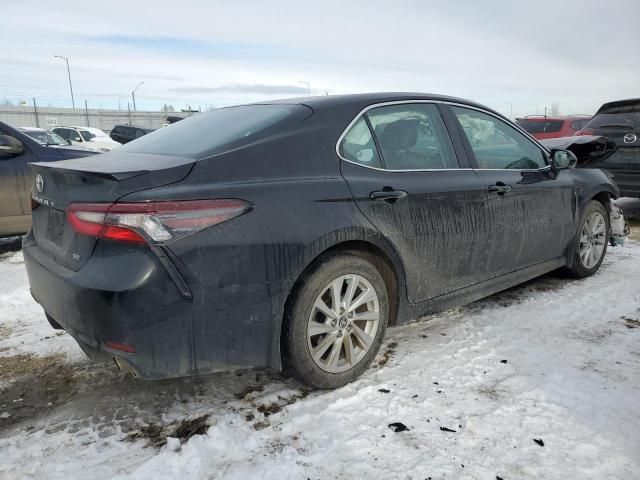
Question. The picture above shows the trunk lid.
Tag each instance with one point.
(96, 179)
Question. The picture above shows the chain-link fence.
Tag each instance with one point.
(49, 117)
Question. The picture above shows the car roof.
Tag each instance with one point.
(88, 129)
(542, 118)
(362, 100)
(31, 129)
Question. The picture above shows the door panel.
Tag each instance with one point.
(532, 222)
(440, 229)
(532, 209)
(15, 193)
(406, 180)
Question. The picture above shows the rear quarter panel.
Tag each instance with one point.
(241, 272)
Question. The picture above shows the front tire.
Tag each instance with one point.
(335, 322)
(591, 244)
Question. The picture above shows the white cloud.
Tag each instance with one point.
(499, 52)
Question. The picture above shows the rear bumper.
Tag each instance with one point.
(121, 295)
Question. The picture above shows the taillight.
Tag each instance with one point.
(151, 222)
(583, 132)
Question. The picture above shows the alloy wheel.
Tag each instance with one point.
(592, 240)
(343, 323)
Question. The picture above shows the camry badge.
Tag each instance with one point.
(40, 183)
(630, 138)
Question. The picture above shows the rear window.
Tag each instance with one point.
(540, 126)
(629, 120)
(207, 134)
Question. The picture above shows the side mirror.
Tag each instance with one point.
(563, 159)
(69, 142)
(10, 145)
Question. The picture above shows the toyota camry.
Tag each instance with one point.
(291, 234)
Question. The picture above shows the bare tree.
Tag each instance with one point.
(555, 109)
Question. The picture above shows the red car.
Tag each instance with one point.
(552, 127)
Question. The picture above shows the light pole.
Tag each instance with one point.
(133, 95)
(308, 84)
(73, 102)
(120, 98)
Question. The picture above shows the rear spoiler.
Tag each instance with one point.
(107, 176)
(116, 165)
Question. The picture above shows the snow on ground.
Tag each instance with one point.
(555, 361)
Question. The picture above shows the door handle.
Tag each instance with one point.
(388, 196)
(500, 188)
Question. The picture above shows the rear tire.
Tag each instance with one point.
(335, 321)
(591, 242)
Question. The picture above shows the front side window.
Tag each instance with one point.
(497, 145)
(412, 137)
(86, 135)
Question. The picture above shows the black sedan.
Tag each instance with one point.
(290, 234)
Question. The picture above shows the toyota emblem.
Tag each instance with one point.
(630, 138)
(39, 183)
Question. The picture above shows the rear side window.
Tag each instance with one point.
(207, 134)
(357, 145)
(412, 137)
(540, 126)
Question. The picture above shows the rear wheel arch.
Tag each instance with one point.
(390, 268)
(391, 271)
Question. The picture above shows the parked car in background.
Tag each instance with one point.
(45, 137)
(87, 137)
(542, 127)
(125, 133)
(16, 150)
(620, 122)
(294, 232)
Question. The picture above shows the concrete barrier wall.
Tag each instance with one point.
(47, 117)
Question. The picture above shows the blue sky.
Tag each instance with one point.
(513, 56)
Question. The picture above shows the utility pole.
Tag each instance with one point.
(73, 102)
(133, 95)
(35, 111)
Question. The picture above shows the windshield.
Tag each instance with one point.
(207, 134)
(86, 136)
(46, 138)
(630, 120)
(540, 126)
